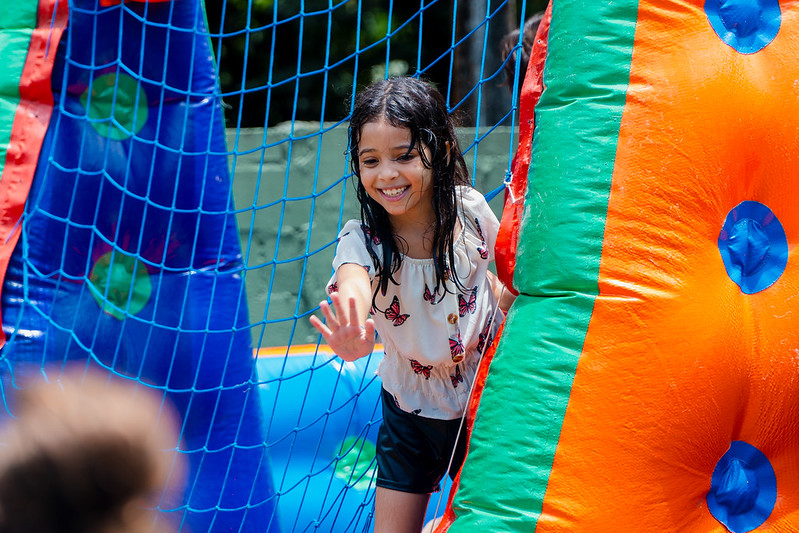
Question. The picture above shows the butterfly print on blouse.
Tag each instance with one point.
(419, 368)
(394, 314)
(456, 349)
(457, 378)
(485, 336)
(467, 305)
(375, 239)
(482, 249)
(479, 229)
(431, 297)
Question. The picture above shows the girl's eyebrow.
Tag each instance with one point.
(406, 147)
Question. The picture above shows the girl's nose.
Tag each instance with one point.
(388, 171)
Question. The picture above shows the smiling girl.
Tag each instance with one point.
(414, 268)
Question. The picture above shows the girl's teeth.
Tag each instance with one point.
(393, 192)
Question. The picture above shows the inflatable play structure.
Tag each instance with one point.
(646, 375)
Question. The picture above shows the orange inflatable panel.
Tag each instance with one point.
(647, 378)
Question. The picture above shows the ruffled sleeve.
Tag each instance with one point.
(481, 218)
(351, 248)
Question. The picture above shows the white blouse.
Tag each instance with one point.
(432, 339)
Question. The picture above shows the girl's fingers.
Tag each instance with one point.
(342, 319)
(341, 327)
(320, 326)
(353, 312)
(369, 328)
(330, 317)
(349, 340)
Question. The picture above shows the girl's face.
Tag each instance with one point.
(394, 177)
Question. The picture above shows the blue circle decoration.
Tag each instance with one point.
(753, 247)
(747, 26)
(743, 488)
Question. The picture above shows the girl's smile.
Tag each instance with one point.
(395, 192)
(394, 175)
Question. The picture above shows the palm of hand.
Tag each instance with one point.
(343, 331)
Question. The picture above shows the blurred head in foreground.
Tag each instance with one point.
(88, 456)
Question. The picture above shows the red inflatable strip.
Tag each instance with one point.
(471, 411)
(108, 3)
(512, 211)
(31, 119)
(505, 248)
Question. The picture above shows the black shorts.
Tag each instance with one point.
(413, 451)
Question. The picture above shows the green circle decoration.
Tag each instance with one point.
(357, 467)
(118, 97)
(117, 278)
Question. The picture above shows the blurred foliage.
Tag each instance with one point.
(301, 59)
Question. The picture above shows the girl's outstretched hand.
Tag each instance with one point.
(343, 331)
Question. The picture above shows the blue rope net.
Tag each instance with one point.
(183, 216)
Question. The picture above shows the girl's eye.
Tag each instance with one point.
(407, 157)
(370, 161)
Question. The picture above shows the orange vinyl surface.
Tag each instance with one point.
(678, 361)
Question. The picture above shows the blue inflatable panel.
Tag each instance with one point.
(322, 418)
(130, 257)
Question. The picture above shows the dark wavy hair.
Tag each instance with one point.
(415, 104)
